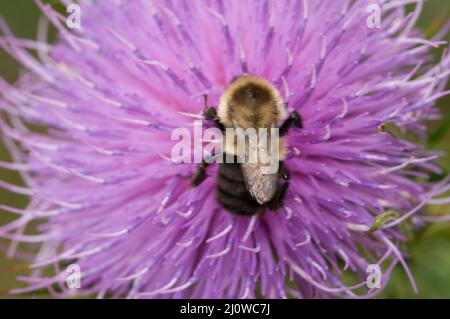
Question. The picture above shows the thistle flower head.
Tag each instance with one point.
(107, 197)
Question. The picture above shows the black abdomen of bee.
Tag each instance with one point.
(231, 191)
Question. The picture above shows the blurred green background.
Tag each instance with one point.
(429, 250)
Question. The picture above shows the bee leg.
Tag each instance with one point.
(199, 175)
(200, 172)
(278, 197)
(294, 119)
(210, 114)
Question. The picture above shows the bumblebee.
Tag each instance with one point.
(242, 186)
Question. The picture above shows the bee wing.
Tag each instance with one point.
(260, 184)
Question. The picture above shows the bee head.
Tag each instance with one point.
(251, 102)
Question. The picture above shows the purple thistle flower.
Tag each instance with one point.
(106, 197)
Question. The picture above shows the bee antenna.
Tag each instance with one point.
(205, 98)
